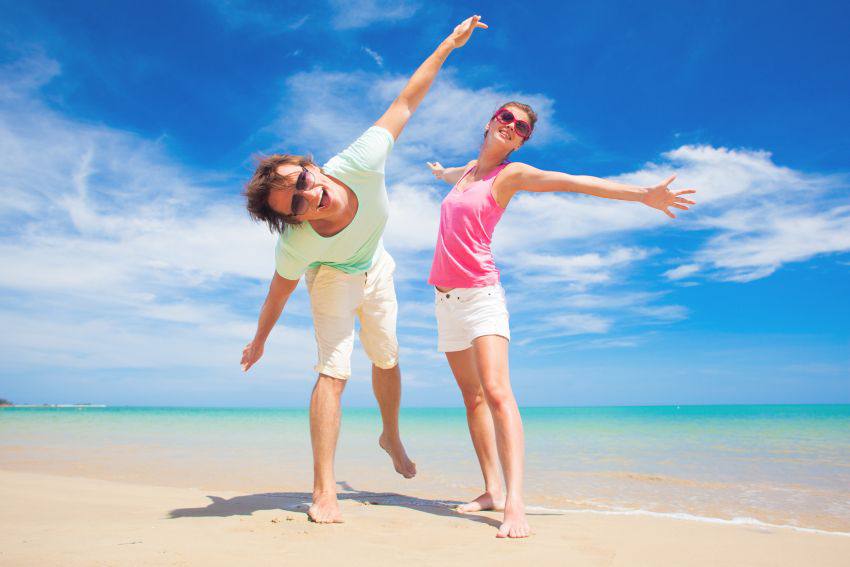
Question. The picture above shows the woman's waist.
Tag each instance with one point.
(457, 279)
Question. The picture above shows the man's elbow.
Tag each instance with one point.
(402, 106)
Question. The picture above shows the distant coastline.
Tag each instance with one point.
(4, 404)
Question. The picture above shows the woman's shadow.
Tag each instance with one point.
(299, 502)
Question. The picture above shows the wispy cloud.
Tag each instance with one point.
(115, 252)
(758, 215)
(682, 272)
(354, 14)
(376, 57)
(267, 19)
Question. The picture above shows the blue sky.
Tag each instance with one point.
(133, 275)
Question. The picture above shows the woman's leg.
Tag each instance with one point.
(491, 359)
(481, 430)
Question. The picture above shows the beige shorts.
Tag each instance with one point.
(466, 313)
(336, 298)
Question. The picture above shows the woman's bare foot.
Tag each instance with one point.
(403, 465)
(325, 509)
(514, 523)
(487, 501)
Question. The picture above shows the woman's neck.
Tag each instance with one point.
(489, 158)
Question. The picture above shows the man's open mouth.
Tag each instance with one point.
(325, 200)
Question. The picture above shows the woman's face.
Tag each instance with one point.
(505, 134)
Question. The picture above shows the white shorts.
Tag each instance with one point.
(466, 313)
(336, 298)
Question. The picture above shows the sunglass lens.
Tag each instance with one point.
(506, 117)
(302, 181)
(299, 205)
(522, 128)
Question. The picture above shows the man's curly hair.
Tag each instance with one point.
(265, 180)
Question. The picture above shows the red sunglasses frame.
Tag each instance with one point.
(498, 116)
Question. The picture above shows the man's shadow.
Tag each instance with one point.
(299, 502)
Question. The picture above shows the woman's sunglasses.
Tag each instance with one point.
(522, 127)
(305, 182)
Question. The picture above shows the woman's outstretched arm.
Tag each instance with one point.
(403, 107)
(450, 175)
(522, 177)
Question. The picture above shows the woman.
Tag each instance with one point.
(472, 318)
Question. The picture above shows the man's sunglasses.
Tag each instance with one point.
(506, 117)
(305, 182)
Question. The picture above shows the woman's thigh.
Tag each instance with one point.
(490, 354)
(462, 363)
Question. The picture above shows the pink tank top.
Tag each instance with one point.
(468, 217)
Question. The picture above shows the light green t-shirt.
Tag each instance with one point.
(354, 248)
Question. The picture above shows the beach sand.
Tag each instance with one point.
(62, 520)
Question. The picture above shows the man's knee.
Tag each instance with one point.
(330, 383)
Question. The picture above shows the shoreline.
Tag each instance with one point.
(81, 521)
(531, 508)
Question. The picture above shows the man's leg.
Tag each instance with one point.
(378, 313)
(386, 383)
(325, 412)
(333, 304)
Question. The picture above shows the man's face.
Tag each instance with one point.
(322, 195)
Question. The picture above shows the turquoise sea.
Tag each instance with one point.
(783, 465)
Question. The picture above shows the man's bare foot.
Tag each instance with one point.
(403, 465)
(486, 501)
(325, 509)
(514, 523)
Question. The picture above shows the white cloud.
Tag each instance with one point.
(108, 243)
(268, 19)
(376, 57)
(414, 218)
(681, 272)
(579, 323)
(760, 215)
(578, 271)
(777, 237)
(354, 14)
(325, 111)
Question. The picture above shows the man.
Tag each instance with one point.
(330, 222)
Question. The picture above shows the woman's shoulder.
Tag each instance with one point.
(512, 170)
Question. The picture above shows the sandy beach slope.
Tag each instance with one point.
(56, 520)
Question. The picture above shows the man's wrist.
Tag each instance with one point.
(446, 47)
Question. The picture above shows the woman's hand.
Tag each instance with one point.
(463, 31)
(661, 197)
(251, 354)
(437, 169)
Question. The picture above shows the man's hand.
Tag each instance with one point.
(251, 354)
(661, 197)
(437, 169)
(463, 31)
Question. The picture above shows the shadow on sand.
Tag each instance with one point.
(300, 501)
